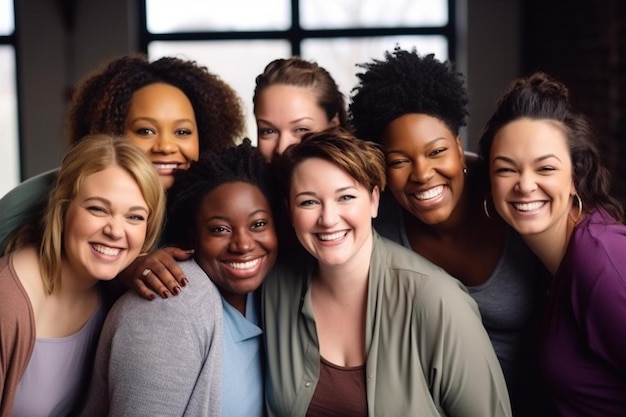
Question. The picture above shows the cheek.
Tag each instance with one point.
(191, 148)
(397, 179)
(267, 149)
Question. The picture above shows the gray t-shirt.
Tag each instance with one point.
(508, 301)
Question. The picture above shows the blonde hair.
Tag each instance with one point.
(91, 155)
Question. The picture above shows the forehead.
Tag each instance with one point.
(113, 183)
(320, 174)
(526, 136)
(158, 95)
(234, 197)
(281, 97)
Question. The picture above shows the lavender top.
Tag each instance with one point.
(58, 372)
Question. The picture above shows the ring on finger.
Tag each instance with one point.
(146, 272)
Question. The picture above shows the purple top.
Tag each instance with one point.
(583, 351)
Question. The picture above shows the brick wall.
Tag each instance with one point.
(583, 43)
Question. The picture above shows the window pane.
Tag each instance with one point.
(340, 56)
(167, 16)
(236, 62)
(7, 21)
(329, 14)
(9, 157)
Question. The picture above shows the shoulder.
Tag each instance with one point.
(196, 304)
(24, 201)
(598, 244)
(401, 270)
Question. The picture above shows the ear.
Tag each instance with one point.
(334, 122)
(374, 202)
(459, 146)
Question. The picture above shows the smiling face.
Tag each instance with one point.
(284, 113)
(162, 123)
(104, 226)
(331, 212)
(235, 241)
(424, 166)
(531, 176)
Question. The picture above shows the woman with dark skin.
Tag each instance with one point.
(173, 110)
(414, 106)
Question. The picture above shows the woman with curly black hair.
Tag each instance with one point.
(415, 106)
(221, 207)
(173, 110)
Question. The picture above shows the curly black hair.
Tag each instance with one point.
(243, 163)
(405, 82)
(102, 100)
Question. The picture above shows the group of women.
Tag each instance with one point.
(474, 285)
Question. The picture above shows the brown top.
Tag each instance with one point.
(340, 391)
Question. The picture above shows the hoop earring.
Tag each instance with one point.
(580, 209)
(485, 209)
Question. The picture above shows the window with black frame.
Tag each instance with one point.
(237, 38)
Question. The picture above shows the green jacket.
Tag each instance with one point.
(427, 351)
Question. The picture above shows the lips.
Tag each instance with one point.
(329, 237)
(429, 194)
(244, 265)
(106, 250)
(530, 206)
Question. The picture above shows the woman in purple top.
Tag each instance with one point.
(549, 184)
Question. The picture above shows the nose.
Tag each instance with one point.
(421, 171)
(164, 144)
(114, 228)
(526, 184)
(284, 142)
(328, 215)
(241, 242)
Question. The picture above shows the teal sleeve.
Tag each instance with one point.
(23, 202)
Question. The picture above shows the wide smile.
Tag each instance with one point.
(105, 250)
(430, 194)
(247, 268)
(527, 207)
(167, 168)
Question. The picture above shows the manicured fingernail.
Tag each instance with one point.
(176, 290)
(184, 282)
(165, 294)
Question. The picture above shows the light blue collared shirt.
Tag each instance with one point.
(242, 363)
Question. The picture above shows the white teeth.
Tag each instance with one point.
(106, 250)
(429, 194)
(332, 236)
(165, 166)
(244, 265)
(529, 206)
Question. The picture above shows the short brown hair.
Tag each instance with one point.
(362, 160)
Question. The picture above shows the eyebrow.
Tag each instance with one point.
(108, 203)
(290, 122)
(155, 120)
(538, 159)
(337, 191)
(226, 218)
(429, 143)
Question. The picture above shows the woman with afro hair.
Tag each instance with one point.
(414, 107)
(221, 207)
(173, 110)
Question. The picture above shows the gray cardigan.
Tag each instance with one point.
(161, 357)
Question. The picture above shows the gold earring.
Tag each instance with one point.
(580, 209)
(485, 209)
